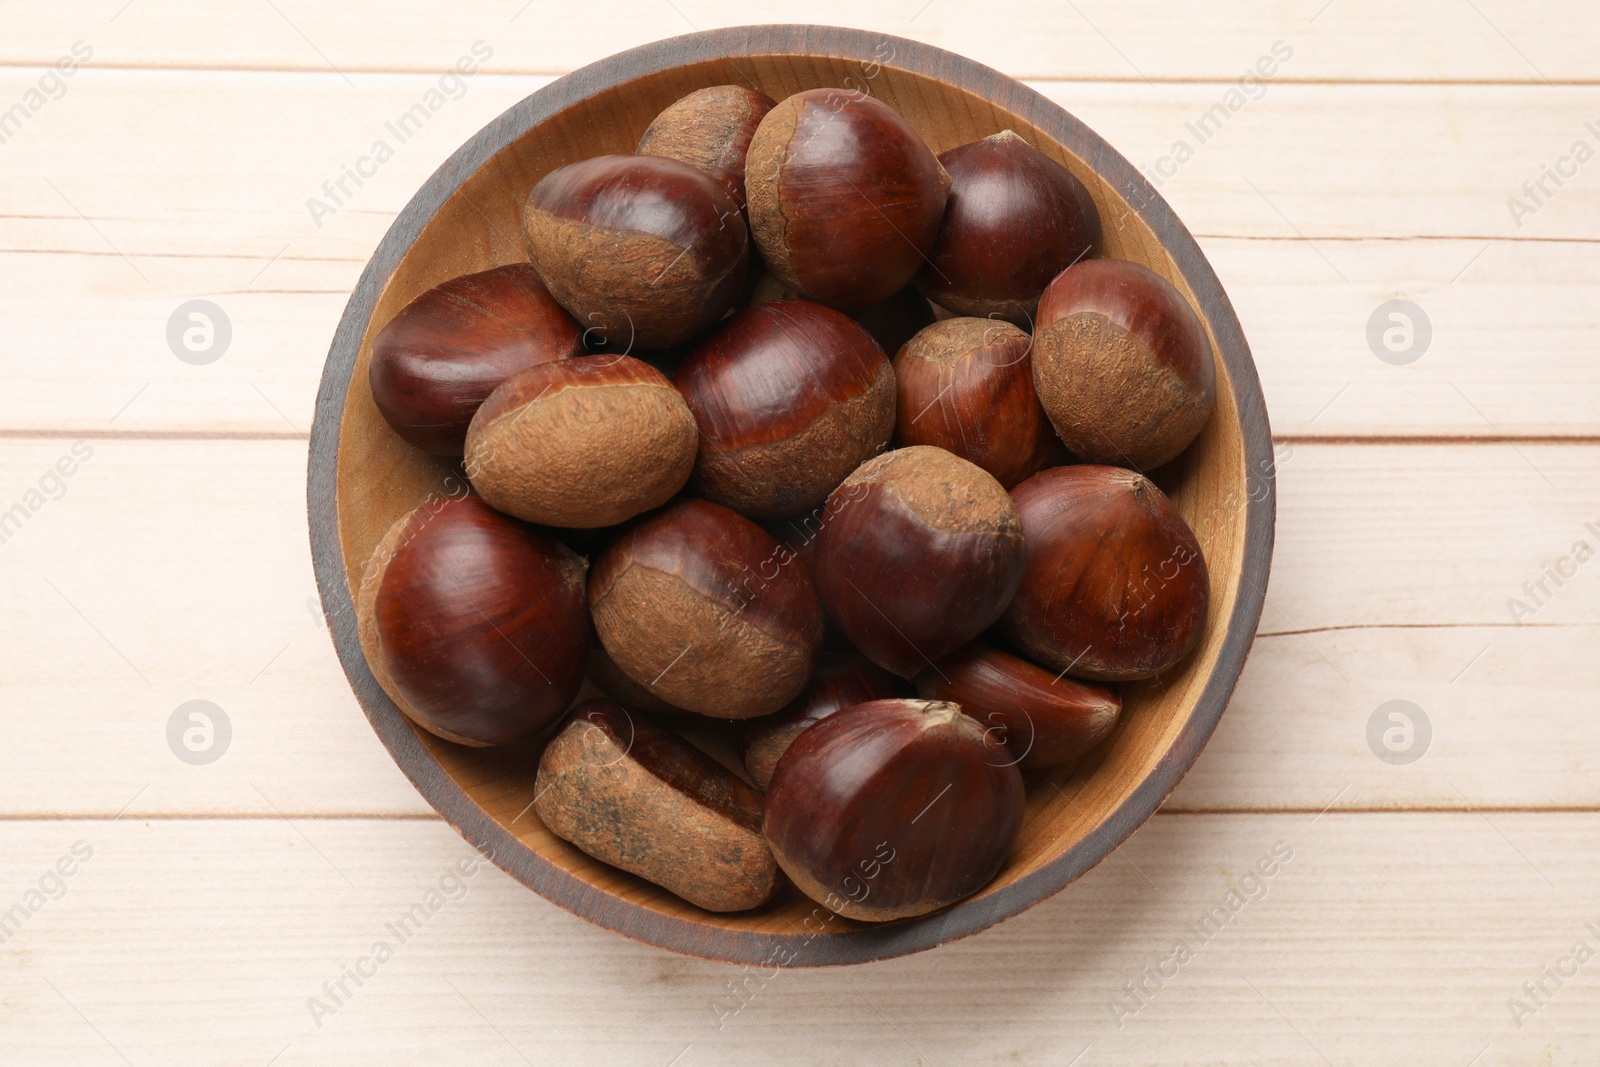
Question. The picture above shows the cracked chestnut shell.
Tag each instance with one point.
(637, 796)
(1044, 719)
(1122, 364)
(473, 622)
(842, 680)
(790, 397)
(893, 808)
(583, 443)
(921, 554)
(1116, 586)
(844, 196)
(447, 350)
(710, 129)
(694, 603)
(1015, 219)
(644, 250)
(966, 385)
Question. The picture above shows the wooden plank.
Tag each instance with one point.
(1375, 939)
(1352, 41)
(192, 212)
(174, 570)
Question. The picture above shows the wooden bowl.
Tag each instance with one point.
(466, 218)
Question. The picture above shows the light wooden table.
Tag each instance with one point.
(207, 904)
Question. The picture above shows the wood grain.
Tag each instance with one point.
(1391, 939)
(198, 213)
(1393, 570)
(1402, 942)
(1358, 40)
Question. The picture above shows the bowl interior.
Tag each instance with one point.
(379, 477)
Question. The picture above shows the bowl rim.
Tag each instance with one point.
(808, 947)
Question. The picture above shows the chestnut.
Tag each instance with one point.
(582, 443)
(607, 677)
(473, 622)
(893, 808)
(1044, 719)
(790, 397)
(446, 351)
(891, 322)
(844, 197)
(644, 250)
(842, 680)
(696, 604)
(1015, 219)
(1116, 586)
(637, 796)
(966, 385)
(1122, 364)
(921, 552)
(710, 129)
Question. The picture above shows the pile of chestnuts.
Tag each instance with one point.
(794, 434)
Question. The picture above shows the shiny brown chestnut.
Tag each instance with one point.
(446, 351)
(790, 397)
(1122, 364)
(473, 622)
(891, 322)
(921, 553)
(1016, 218)
(582, 443)
(893, 808)
(842, 680)
(644, 250)
(1116, 586)
(710, 129)
(1044, 719)
(845, 198)
(637, 796)
(694, 604)
(966, 385)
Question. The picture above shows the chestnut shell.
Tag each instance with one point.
(893, 808)
(633, 794)
(966, 385)
(790, 397)
(446, 351)
(1045, 719)
(695, 604)
(584, 443)
(1015, 219)
(710, 129)
(1116, 586)
(474, 622)
(647, 251)
(920, 552)
(844, 196)
(1122, 364)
